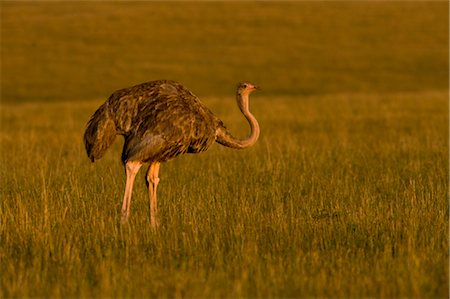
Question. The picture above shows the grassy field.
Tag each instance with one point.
(346, 199)
(73, 51)
(344, 195)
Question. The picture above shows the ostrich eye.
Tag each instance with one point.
(245, 85)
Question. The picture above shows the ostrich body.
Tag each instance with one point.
(160, 120)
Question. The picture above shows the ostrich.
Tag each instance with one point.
(160, 120)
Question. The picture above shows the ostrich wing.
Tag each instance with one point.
(169, 122)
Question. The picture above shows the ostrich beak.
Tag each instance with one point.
(256, 87)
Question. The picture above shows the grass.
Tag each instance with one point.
(345, 196)
(72, 51)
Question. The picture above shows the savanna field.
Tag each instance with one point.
(345, 194)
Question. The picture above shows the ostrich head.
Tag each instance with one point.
(242, 93)
(245, 88)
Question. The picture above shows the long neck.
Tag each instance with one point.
(225, 138)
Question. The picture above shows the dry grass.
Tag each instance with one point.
(342, 197)
(76, 50)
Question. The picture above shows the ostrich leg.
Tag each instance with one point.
(152, 180)
(131, 169)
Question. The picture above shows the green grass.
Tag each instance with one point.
(344, 196)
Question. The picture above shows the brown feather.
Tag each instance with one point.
(100, 133)
(159, 120)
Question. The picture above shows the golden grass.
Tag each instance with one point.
(82, 50)
(343, 196)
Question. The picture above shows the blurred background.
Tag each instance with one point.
(64, 51)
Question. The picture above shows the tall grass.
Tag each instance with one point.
(343, 196)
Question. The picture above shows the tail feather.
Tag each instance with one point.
(100, 133)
